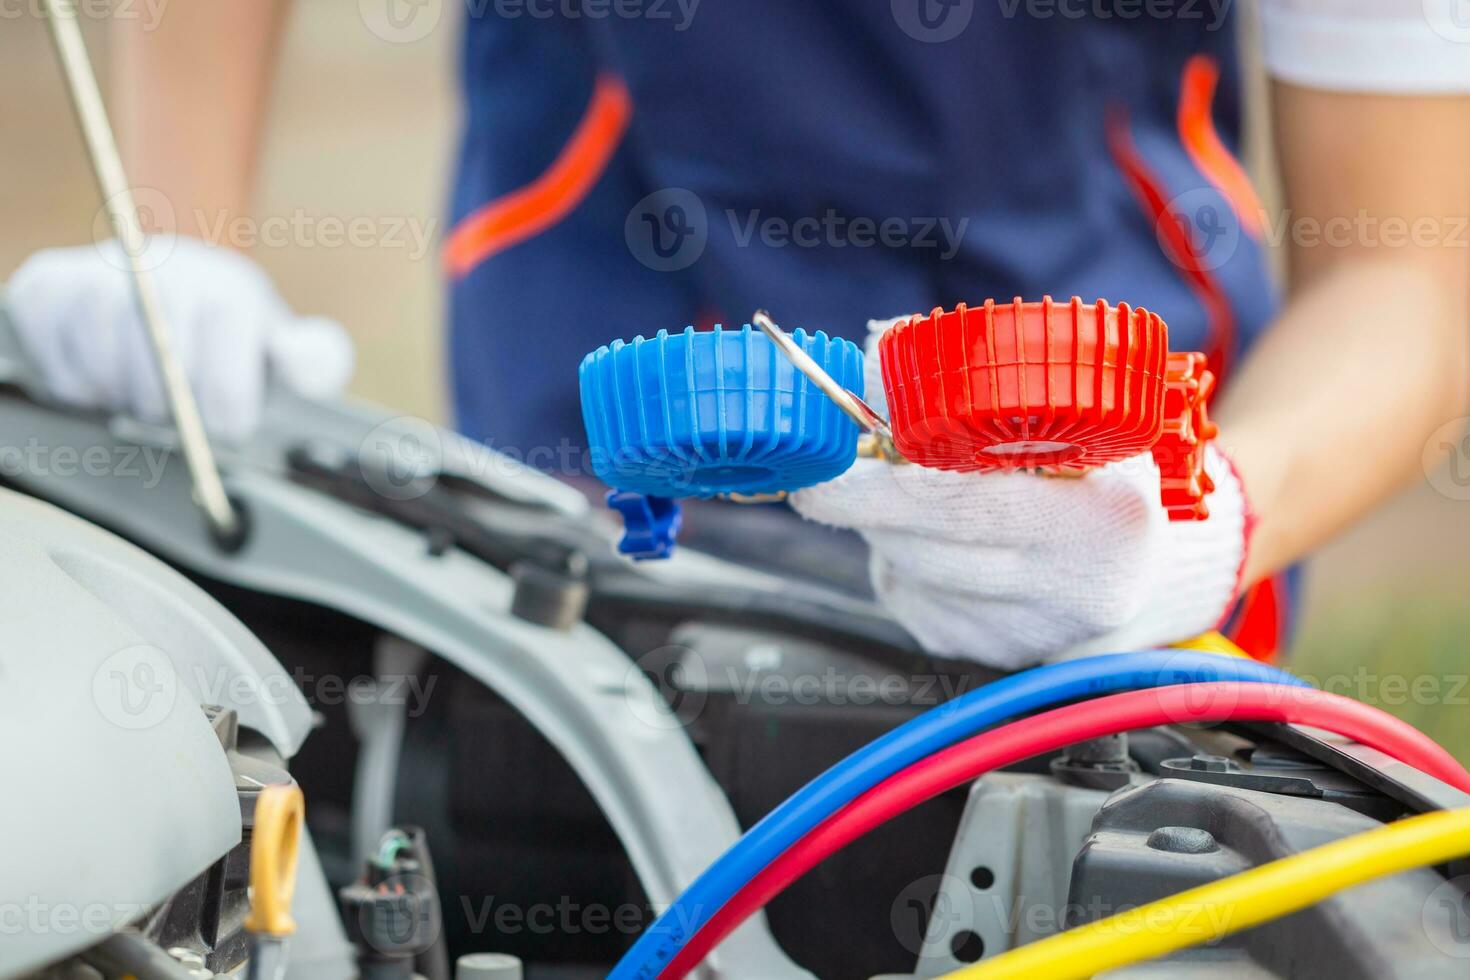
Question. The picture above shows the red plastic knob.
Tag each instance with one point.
(1061, 385)
(1180, 451)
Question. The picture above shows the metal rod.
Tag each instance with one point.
(267, 958)
(86, 100)
(855, 408)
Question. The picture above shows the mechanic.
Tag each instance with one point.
(622, 172)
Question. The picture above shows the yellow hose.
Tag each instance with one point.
(1213, 642)
(1235, 903)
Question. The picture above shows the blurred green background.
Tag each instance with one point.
(1397, 643)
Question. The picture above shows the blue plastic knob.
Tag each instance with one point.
(696, 414)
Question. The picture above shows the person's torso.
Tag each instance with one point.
(866, 159)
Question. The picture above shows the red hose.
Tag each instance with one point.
(1053, 730)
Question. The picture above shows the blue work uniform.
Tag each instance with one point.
(634, 165)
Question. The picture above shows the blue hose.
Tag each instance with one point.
(1019, 694)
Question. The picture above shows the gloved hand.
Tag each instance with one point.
(76, 317)
(1014, 568)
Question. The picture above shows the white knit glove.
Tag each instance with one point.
(1013, 568)
(76, 317)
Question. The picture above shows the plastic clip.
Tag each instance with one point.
(650, 524)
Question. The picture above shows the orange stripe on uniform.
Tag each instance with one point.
(532, 209)
(1148, 188)
(1205, 148)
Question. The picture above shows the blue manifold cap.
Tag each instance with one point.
(696, 414)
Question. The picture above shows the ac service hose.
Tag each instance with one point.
(1055, 729)
(1020, 694)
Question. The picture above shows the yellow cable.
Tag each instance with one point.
(1235, 903)
(275, 842)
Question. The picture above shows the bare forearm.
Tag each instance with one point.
(1372, 352)
(190, 98)
(1331, 414)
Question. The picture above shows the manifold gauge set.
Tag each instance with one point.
(755, 413)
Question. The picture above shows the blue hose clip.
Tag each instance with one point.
(709, 413)
(650, 524)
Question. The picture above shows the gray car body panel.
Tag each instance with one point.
(578, 689)
(118, 790)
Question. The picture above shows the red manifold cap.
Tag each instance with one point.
(1060, 385)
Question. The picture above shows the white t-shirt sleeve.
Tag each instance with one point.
(1392, 46)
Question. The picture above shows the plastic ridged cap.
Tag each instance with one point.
(1026, 384)
(1066, 386)
(696, 414)
(1180, 451)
